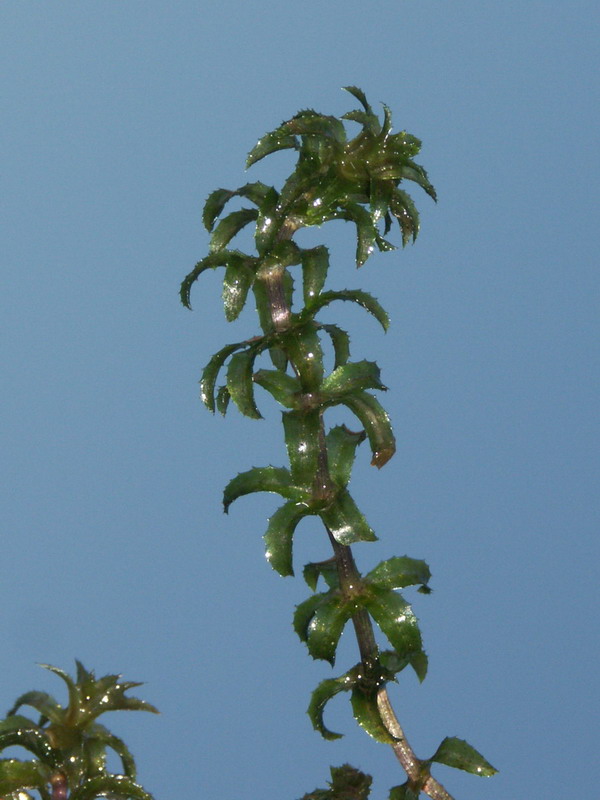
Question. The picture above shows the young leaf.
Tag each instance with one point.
(279, 535)
(240, 384)
(16, 776)
(325, 569)
(263, 479)
(117, 787)
(325, 628)
(270, 143)
(457, 753)
(376, 424)
(238, 280)
(42, 702)
(341, 344)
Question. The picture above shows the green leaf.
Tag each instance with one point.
(366, 713)
(305, 611)
(457, 753)
(223, 398)
(16, 776)
(366, 230)
(263, 479)
(309, 122)
(211, 372)
(223, 258)
(240, 383)
(347, 783)
(238, 280)
(398, 572)
(107, 739)
(403, 792)
(376, 423)
(315, 264)
(363, 299)
(341, 344)
(270, 143)
(302, 442)
(324, 692)
(405, 211)
(18, 731)
(325, 628)
(361, 97)
(341, 448)
(279, 535)
(305, 352)
(325, 569)
(396, 619)
(117, 787)
(352, 377)
(283, 387)
(229, 226)
(414, 172)
(42, 702)
(215, 203)
(268, 223)
(345, 521)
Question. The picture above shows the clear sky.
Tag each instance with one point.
(118, 118)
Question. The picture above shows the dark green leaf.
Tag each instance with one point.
(323, 694)
(416, 173)
(305, 611)
(28, 736)
(363, 299)
(279, 535)
(269, 143)
(351, 377)
(16, 776)
(240, 383)
(325, 569)
(366, 713)
(345, 521)
(263, 479)
(107, 739)
(310, 122)
(238, 280)
(366, 230)
(360, 96)
(229, 226)
(211, 372)
(283, 387)
(223, 398)
(325, 628)
(315, 264)
(215, 203)
(267, 222)
(347, 783)
(341, 447)
(406, 213)
(396, 619)
(341, 344)
(305, 352)
(403, 792)
(398, 572)
(457, 753)
(223, 258)
(376, 424)
(302, 442)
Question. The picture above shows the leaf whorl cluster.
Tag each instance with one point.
(69, 745)
(335, 178)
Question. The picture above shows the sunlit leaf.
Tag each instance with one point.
(457, 753)
(240, 383)
(229, 226)
(263, 479)
(279, 535)
(376, 423)
(324, 692)
(345, 521)
(341, 447)
(398, 572)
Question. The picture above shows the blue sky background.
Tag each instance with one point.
(118, 118)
